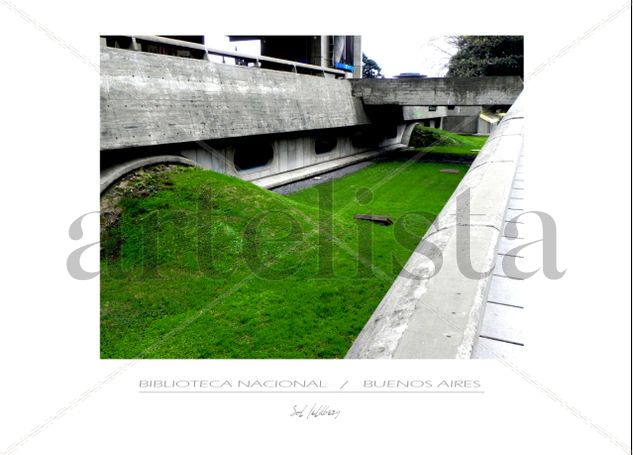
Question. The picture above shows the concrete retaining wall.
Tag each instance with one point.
(437, 314)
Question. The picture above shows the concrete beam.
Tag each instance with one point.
(436, 314)
(423, 112)
(453, 91)
(152, 99)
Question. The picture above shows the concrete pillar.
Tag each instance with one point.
(358, 58)
(135, 46)
(319, 51)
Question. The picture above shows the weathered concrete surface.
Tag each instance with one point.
(461, 124)
(272, 181)
(458, 119)
(429, 313)
(407, 132)
(425, 112)
(476, 91)
(152, 102)
(114, 173)
(150, 99)
(294, 158)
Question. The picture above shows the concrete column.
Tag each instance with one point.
(135, 46)
(358, 58)
(319, 51)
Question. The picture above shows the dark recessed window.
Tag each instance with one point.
(366, 138)
(432, 108)
(324, 144)
(252, 155)
(390, 131)
(451, 108)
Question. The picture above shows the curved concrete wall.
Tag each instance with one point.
(427, 315)
(114, 173)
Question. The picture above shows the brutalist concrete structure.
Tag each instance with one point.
(273, 127)
(266, 126)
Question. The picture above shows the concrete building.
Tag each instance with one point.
(457, 119)
(271, 120)
(130, 42)
(338, 52)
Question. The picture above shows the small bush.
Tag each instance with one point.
(429, 137)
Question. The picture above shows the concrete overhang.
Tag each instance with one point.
(153, 99)
(442, 91)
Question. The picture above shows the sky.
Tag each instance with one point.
(395, 54)
(417, 53)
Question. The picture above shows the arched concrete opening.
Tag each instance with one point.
(116, 171)
(408, 131)
(324, 144)
(390, 131)
(366, 138)
(252, 155)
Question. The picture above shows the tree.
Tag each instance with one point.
(487, 56)
(371, 70)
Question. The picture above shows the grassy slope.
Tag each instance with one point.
(449, 143)
(191, 306)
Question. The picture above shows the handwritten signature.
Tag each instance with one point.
(314, 411)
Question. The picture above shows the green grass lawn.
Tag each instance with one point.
(439, 142)
(202, 265)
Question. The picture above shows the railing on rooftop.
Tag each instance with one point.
(256, 59)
